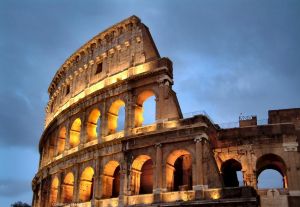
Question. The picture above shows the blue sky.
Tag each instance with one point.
(230, 57)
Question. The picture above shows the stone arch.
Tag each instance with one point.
(273, 162)
(86, 184)
(68, 188)
(179, 170)
(61, 142)
(54, 191)
(92, 126)
(142, 175)
(141, 98)
(113, 115)
(229, 170)
(111, 179)
(75, 133)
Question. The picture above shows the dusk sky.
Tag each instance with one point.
(229, 57)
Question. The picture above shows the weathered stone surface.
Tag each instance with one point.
(174, 161)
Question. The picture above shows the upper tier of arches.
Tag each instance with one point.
(108, 58)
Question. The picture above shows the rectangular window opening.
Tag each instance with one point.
(67, 89)
(99, 68)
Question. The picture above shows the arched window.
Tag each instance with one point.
(231, 172)
(86, 185)
(61, 142)
(68, 188)
(145, 110)
(179, 171)
(271, 172)
(142, 175)
(75, 133)
(53, 191)
(93, 125)
(111, 180)
(113, 117)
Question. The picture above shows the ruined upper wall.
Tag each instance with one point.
(100, 62)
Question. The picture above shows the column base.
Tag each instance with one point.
(157, 194)
(199, 191)
(122, 200)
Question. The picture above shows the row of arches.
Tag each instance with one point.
(114, 121)
(271, 172)
(178, 176)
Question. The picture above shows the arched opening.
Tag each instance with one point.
(93, 125)
(61, 142)
(75, 133)
(113, 117)
(111, 180)
(179, 171)
(271, 166)
(54, 191)
(86, 185)
(142, 175)
(145, 110)
(231, 171)
(68, 188)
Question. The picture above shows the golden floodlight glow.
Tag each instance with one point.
(75, 133)
(68, 188)
(113, 115)
(86, 184)
(139, 162)
(61, 140)
(215, 194)
(91, 128)
(54, 191)
(108, 178)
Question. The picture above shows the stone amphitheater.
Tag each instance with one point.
(88, 159)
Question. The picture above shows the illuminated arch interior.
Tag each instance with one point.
(54, 191)
(230, 171)
(113, 116)
(86, 184)
(142, 175)
(61, 142)
(274, 166)
(75, 133)
(179, 171)
(139, 109)
(111, 180)
(93, 125)
(68, 188)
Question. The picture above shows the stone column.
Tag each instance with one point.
(56, 135)
(82, 130)
(158, 173)
(199, 184)
(60, 178)
(103, 125)
(97, 183)
(129, 114)
(67, 144)
(123, 186)
(76, 184)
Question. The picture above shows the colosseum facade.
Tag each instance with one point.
(87, 159)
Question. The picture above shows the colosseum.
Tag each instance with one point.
(87, 158)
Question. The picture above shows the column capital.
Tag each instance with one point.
(158, 145)
(201, 137)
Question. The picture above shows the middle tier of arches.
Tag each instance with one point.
(98, 123)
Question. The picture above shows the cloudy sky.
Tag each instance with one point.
(230, 57)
